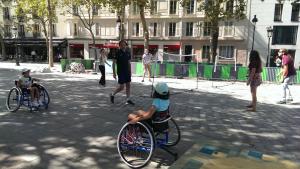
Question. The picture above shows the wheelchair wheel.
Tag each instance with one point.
(44, 96)
(136, 144)
(173, 134)
(13, 101)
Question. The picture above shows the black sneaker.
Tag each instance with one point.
(129, 102)
(289, 99)
(112, 98)
(281, 102)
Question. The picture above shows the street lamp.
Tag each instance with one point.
(254, 20)
(269, 34)
(119, 27)
(15, 33)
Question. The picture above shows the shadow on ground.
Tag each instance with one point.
(80, 128)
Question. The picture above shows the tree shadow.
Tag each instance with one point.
(80, 128)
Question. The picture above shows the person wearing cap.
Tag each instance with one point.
(122, 60)
(159, 105)
(288, 74)
(147, 64)
(26, 83)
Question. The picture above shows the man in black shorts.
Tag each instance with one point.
(122, 59)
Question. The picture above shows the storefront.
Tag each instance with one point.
(138, 51)
(76, 51)
(171, 53)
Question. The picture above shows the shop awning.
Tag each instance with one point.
(174, 47)
(74, 45)
(142, 46)
(111, 45)
(34, 41)
(97, 45)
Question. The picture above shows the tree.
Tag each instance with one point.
(84, 10)
(41, 11)
(216, 11)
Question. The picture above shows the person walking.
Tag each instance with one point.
(122, 60)
(147, 64)
(254, 77)
(288, 74)
(102, 61)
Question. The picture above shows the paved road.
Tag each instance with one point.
(80, 127)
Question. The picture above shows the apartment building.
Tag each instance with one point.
(173, 29)
(284, 18)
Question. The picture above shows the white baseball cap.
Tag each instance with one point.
(25, 70)
(161, 88)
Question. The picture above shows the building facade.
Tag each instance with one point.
(173, 30)
(284, 18)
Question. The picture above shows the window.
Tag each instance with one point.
(136, 29)
(285, 35)
(172, 29)
(278, 12)
(135, 7)
(153, 7)
(6, 13)
(190, 7)
(95, 10)
(107, 30)
(205, 52)
(22, 31)
(189, 29)
(75, 10)
(98, 29)
(54, 30)
(228, 28)
(295, 12)
(75, 30)
(229, 6)
(173, 7)
(226, 51)
(206, 29)
(153, 29)
(36, 30)
(7, 31)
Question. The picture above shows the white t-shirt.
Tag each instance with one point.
(147, 58)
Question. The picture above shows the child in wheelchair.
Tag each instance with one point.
(26, 84)
(158, 111)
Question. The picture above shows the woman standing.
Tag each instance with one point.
(254, 77)
(102, 61)
(147, 64)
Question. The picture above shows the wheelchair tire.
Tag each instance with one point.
(136, 144)
(13, 95)
(174, 134)
(44, 95)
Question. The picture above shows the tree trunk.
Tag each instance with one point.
(145, 27)
(122, 33)
(3, 51)
(46, 36)
(94, 43)
(50, 34)
(214, 40)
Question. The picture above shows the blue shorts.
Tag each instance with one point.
(123, 78)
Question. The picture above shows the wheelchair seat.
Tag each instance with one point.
(160, 121)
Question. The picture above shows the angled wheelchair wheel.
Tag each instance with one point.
(13, 101)
(136, 144)
(44, 96)
(173, 135)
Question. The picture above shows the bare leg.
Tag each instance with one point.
(32, 94)
(254, 98)
(118, 89)
(128, 90)
(145, 69)
(149, 71)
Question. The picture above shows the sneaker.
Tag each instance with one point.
(129, 102)
(290, 99)
(143, 80)
(281, 102)
(112, 98)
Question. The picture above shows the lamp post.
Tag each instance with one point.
(254, 20)
(119, 27)
(269, 34)
(15, 33)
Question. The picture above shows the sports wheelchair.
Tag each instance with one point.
(18, 97)
(136, 142)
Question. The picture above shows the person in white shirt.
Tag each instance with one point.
(102, 61)
(147, 64)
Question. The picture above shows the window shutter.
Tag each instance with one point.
(158, 29)
(94, 29)
(167, 29)
(195, 30)
(133, 29)
(184, 27)
(151, 28)
(141, 29)
(178, 26)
